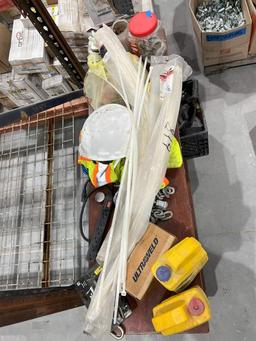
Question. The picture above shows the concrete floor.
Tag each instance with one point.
(223, 186)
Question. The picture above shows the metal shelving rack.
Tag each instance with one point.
(39, 242)
(43, 22)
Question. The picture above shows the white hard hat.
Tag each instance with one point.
(105, 134)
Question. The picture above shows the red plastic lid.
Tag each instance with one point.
(196, 307)
(143, 24)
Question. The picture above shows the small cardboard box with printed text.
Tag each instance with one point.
(222, 47)
(151, 246)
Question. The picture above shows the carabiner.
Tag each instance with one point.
(168, 191)
(115, 335)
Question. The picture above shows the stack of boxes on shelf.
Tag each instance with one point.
(5, 41)
(74, 22)
(29, 72)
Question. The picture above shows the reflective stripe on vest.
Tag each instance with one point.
(99, 173)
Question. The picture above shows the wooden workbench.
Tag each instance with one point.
(24, 305)
(181, 225)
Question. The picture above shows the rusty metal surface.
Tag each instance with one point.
(40, 245)
(17, 114)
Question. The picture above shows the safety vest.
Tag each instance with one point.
(175, 159)
(102, 174)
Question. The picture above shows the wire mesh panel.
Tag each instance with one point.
(40, 184)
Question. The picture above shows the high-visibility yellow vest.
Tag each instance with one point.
(175, 159)
(102, 174)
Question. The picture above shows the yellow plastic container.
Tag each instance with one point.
(181, 312)
(178, 267)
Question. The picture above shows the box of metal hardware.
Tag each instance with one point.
(151, 246)
(222, 29)
(252, 9)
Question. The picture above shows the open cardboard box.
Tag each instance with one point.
(222, 47)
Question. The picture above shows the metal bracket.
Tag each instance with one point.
(45, 25)
(15, 115)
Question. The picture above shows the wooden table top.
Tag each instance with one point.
(24, 305)
(181, 225)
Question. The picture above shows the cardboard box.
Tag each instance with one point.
(27, 45)
(6, 102)
(52, 2)
(143, 5)
(60, 69)
(5, 42)
(54, 12)
(252, 10)
(152, 245)
(55, 86)
(22, 90)
(32, 68)
(222, 47)
(69, 16)
(100, 11)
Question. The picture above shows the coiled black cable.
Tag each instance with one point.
(85, 198)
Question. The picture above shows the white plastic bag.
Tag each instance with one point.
(174, 60)
(99, 92)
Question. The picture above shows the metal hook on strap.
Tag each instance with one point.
(117, 335)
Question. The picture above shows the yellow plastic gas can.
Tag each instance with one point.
(181, 312)
(179, 266)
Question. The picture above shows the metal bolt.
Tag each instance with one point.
(220, 15)
(161, 204)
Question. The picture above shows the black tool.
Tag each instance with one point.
(188, 121)
(86, 286)
(96, 241)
